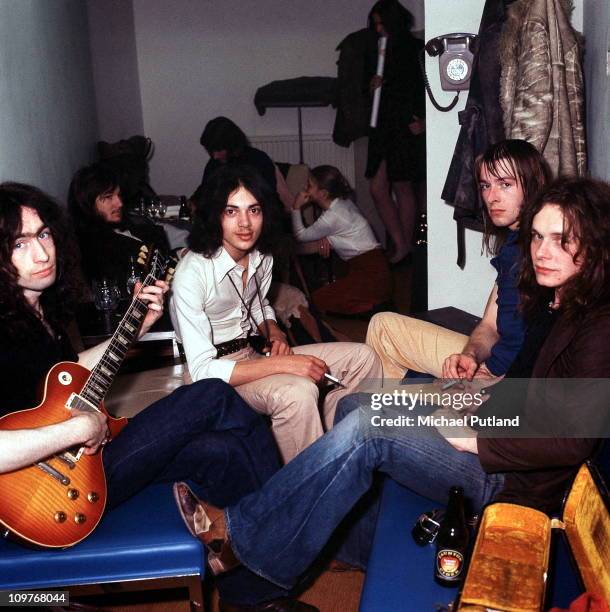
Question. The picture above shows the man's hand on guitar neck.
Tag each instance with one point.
(153, 295)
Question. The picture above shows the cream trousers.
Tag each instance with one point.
(292, 401)
(404, 343)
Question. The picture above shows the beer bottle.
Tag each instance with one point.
(452, 541)
(183, 212)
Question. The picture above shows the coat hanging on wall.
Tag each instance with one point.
(542, 88)
(481, 122)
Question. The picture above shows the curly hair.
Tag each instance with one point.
(585, 205)
(522, 161)
(221, 134)
(206, 235)
(58, 301)
(331, 179)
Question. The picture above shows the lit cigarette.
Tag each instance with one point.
(330, 377)
(334, 380)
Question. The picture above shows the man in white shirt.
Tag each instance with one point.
(219, 300)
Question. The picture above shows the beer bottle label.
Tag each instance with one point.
(449, 563)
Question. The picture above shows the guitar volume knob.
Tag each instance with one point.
(59, 516)
(93, 497)
(79, 518)
(73, 494)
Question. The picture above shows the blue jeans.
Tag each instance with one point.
(278, 531)
(207, 434)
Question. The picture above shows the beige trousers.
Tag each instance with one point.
(292, 401)
(404, 343)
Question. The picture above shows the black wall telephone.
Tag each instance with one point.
(455, 53)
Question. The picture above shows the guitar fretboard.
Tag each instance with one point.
(102, 375)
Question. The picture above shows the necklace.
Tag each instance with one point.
(249, 307)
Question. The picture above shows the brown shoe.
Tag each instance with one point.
(284, 604)
(206, 523)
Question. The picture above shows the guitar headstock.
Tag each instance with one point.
(156, 265)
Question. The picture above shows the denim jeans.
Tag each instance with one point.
(278, 531)
(207, 434)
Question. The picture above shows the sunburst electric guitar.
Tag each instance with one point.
(59, 500)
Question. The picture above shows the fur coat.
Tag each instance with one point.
(541, 88)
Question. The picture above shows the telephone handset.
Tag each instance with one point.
(455, 53)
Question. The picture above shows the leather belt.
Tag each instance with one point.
(232, 346)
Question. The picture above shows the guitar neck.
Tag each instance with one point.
(102, 375)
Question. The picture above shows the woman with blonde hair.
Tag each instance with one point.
(350, 235)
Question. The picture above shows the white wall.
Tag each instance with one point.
(115, 69)
(47, 119)
(447, 284)
(597, 80)
(199, 58)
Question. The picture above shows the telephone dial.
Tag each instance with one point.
(455, 53)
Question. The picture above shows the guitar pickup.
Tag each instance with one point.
(79, 402)
(51, 471)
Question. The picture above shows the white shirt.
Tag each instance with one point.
(347, 230)
(205, 307)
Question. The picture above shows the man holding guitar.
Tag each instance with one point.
(107, 235)
(203, 432)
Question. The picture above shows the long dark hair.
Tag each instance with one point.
(221, 134)
(521, 160)
(87, 184)
(585, 204)
(396, 19)
(58, 301)
(331, 179)
(206, 235)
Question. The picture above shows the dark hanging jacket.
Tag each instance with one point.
(353, 76)
(481, 122)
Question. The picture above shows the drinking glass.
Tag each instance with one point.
(151, 208)
(106, 295)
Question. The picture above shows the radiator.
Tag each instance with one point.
(317, 149)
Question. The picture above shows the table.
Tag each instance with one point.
(177, 231)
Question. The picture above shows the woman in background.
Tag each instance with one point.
(397, 151)
(368, 282)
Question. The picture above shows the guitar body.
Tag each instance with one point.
(37, 506)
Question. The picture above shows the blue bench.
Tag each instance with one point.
(141, 544)
(399, 576)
